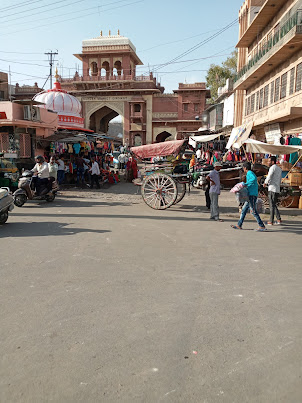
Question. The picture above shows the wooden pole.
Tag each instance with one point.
(292, 168)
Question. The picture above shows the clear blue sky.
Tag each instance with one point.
(160, 29)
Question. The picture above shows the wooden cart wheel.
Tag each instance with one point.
(159, 191)
(287, 201)
(181, 191)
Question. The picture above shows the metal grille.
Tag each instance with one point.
(291, 81)
(277, 89)
(4, 142)
(265, 96)
(257, 101)
(25, 145)
(283, 85)
(299, 77)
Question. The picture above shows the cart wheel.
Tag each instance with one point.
(159, 191)
(264, 196)
(3, 218)
(181, 191)
(287, 201)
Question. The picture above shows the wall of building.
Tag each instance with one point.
(228, 111)
(3, 86)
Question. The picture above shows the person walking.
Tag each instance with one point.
(252, 188)
(214, 179)
(273, 181)
(80, 169)
(95, 173)
(53, 168)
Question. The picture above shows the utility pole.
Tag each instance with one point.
(10, 85)
(51, 57)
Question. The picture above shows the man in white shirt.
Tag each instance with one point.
(121, 160)
(198, 154)
(95, 173)
(273, 181)
(41, 173)
(53, 168)
(61, 170)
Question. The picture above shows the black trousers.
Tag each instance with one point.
(95, 179)
(273, 199)
(207, 195)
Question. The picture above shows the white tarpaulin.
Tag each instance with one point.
(239, 135)
(203, 139)
(255, 146)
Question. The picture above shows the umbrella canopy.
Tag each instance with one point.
(255, 146)
(202, 139)
(158, 149)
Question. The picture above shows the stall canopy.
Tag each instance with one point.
(255, 146)
(202, 139)
(158, 149)
(239, 135)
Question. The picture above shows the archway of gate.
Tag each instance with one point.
(105, 118)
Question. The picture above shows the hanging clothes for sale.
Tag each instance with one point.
(294, 141)
(77, 148)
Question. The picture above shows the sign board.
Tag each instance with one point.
(273, 134)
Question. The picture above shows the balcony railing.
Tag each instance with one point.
(110, 78)
(294, 21)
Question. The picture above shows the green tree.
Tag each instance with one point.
(217, 75)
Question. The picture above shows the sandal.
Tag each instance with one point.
(261, 229)
(220, 220)
(236, 227)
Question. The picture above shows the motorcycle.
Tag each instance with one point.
(26, 190)
(6, 204)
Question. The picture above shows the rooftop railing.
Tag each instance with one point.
(294, 21)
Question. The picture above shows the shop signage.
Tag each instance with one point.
(273, 134)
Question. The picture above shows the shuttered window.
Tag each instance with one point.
(299, 77)
(257, 101)
(277, 89)
(261, 99)
(253, 103)
(265, 96)
(291, 81)
(283, 85)
(272, 92)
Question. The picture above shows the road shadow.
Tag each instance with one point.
(26, 229)
(75, 202)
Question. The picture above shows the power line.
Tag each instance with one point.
(25, 3)
(18, 62)
(36, 8)
(74, 18)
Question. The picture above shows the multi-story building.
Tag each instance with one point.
(3, 86)
(110, 86)
(268, 84)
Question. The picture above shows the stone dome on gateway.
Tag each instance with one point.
(68, 107)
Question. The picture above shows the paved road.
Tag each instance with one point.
(105, 300)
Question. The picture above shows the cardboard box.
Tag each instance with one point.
(300, 203)
(295, 179)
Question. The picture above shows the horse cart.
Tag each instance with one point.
(162, 186)
(165, 183)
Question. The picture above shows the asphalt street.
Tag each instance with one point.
(106, 300)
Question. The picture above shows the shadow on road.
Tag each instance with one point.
(76, 202)
(25, 229)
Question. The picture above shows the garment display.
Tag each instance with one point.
(294, 141)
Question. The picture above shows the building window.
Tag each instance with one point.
(283, 85)
(25, 145)
(185, 107)
(272, 92)
(291, 81)
(277, 89)
(137, 108)
(4, 141)
(196, 107)
(1, 95)
(253, 103)
(299, 77)
(265, 96)
(246, 111)
(257, 101)
(261, 99)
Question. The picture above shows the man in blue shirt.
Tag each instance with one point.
(252, 187)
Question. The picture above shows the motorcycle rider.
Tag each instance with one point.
(41, 173)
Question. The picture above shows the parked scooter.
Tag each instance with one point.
(26, 190)
(6, 204)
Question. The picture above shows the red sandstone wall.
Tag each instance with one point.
(165, 104)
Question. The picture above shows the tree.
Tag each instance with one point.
(217, 75)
